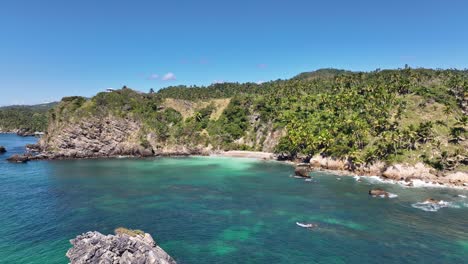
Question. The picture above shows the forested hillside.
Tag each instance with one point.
(29, 118)
(405, 115)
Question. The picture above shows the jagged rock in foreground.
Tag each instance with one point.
(124, 247)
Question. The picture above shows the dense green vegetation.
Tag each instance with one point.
(28, 118)
(406, 115)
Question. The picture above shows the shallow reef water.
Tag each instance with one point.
(223, 210)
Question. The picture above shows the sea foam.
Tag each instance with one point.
(433, 207)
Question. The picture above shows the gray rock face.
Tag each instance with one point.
(106, 137)
(94, 247)
(93, 137)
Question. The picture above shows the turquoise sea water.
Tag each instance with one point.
(221, 210)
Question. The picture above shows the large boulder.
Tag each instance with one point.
(432, 201)
(2, 149)
(302, 171)
(319, 162)
(400, 172)
(457, 178)
(374, 169)
(18, 158)
(329, 163)
(127, 246)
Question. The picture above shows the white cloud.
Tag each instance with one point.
(169, 77)
(218, 81)
(259, 82)
(153, 76)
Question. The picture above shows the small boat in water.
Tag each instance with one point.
(309, 225)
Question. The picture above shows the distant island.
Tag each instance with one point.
(365, 122)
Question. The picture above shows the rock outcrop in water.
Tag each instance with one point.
(432, 201)
(302, 171)
(2, 149)
(379, 192)
(18, 158)
(23, 132)
(124, 247)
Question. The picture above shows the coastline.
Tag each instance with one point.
(245, 154)
(410, 182)
(406, 175)
(413, 182)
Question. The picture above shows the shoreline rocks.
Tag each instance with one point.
(408, 174)
(19, 158)
(33, 148)
(23, 132)
(126, 246)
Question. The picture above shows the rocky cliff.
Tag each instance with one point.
(95, 137)
(94, 247)
(108, 125)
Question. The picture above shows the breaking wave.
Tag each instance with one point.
(433, 207)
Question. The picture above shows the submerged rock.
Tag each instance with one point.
(18, 158)
(432, 201)
(2, 149)
(125, 247)
(379, 192)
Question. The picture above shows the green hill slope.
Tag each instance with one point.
(406, 115)
(27, 118)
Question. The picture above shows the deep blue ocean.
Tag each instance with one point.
(223, 210)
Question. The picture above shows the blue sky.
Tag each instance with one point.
(51, 48)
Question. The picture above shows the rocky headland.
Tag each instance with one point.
(405, 174)
(223, 121)
(126, 246)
